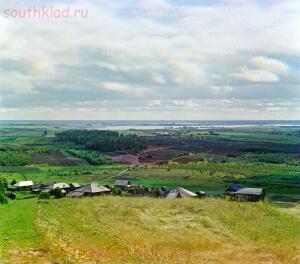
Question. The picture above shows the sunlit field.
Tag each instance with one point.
(147, 230)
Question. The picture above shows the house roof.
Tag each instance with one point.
(185, 193)
(253, 191)
(180, 192)
(60, 185)
(122, 182)
(93, 188)
(24, 184)
(233, 188)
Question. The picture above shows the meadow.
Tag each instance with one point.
(147, 230)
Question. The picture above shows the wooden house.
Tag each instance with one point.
(180, 193)
(91, 189)
(249, 195)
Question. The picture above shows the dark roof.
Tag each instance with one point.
(233, 188)
(75, 185)
(122, 182)
(253, 191)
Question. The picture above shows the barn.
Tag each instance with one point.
(249, 195)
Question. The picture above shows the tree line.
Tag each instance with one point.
(14, 158)
(100, 140)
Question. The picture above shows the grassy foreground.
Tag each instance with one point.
(144, 230)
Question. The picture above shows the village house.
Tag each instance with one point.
(180, 193)
(91, 189)
(249, 195)
(22, 186)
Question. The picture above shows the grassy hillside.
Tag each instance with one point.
(144, 230)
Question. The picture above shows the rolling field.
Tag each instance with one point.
(147, 230)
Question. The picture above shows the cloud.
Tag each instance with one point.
(115, 86)
(262, 69)
(159, 51)
(256, 75)
(269, 64)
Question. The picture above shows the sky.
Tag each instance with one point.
(151, 59)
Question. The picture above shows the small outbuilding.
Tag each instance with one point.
(249, 195)
(201, 194)
(180, 193)
(122, 184)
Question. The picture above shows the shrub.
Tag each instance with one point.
(131, 191)
(13, 182)
(3, 199)
(57, 193)
(44, 196)
(11, 196)
(117, 191)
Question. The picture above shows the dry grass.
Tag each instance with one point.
(145, 230)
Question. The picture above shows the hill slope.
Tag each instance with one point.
(144, 230)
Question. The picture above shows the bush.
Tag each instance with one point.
(117, 191)
(131, 191)
(3, 199)
(11, 196)
(13, 182)
(57, 193)
(44, 196)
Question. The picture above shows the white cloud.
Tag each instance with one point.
(152, 50)
(256, 75)
(269, 64)
(115, 86)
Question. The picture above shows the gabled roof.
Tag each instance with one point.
(24, 184)
(253, 191)
(180, 192)
(122, 182)
(185, 193)
(93, 188)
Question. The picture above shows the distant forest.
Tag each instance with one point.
(103, 140)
